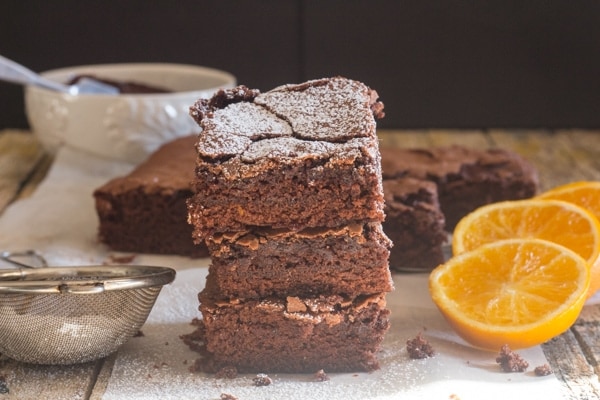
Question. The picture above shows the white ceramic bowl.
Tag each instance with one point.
(124, 126)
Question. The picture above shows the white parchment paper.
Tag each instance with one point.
(60, 222)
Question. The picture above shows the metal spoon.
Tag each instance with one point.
(11, 71)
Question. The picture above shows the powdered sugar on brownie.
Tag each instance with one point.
(288, 121)
(290, 147)
(231, 130)
(324, 109)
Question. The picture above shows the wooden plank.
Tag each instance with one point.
(19, 154)
(103, 377)
(403, 138)
(476, 139)
(550, 152)
(571, 368)
(34, 382)
(585, 148)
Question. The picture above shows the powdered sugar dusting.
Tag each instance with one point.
(290, 147)
(335, 111)
(231, 130)
(290, 121)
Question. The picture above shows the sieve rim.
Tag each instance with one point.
(84, 279)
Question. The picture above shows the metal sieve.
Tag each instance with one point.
(69, 315)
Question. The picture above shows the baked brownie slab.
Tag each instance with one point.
(293, 334)
(145, 211)
(297, 157)
(414, 223)
(347, 261)
(466, 178)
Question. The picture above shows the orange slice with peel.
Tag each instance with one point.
(555, 220)
(520, 292)
(585, 194)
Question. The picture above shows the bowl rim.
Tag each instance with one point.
(228, 80)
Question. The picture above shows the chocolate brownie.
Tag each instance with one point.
(288, 197)
(309, 152)
(145, 211)
(348, 261)
(293, 334)
(466, 178)
(414, 223)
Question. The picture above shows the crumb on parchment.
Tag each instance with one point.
(262, 380)
(419, 347)
(542, 370)
(510, 361)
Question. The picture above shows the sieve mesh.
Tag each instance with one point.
(58, 315)
(71, 328)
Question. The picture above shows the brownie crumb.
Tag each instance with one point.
(321, 376)
(510, 361)
(542, 370)
(120, 259)
(262, 380)
(227, 373)
(227, 396)
(419, 347)
(139, 334)
(197, 366)
(3, 385)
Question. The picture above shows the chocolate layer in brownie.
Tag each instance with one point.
(293, 334)
(414, 223)
(145, 211)
(347, 261)
(466, 178)
(296, 157)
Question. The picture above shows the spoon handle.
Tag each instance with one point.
(13, 72)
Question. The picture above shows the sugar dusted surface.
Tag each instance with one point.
(303, 107)
(155, 366)
(289, 147)
(232, 130)
(318, 113)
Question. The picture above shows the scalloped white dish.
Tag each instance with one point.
(123, 126)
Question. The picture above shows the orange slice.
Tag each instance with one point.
(520, 292)
(585, 194)
(555, 220)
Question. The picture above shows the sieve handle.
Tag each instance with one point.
(9, 257)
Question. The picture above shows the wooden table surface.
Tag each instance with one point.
(560, 157)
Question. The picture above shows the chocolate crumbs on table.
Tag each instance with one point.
(262, 380)
(419, 348)
(510, 361)
(542, 370)
(229, 372)
(120, 259)
(321, 376)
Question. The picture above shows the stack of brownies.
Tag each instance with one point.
(288, 197)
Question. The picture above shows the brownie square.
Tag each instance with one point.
(414, 223)
(145, 211)
(347, 261)
(296, 157)
(466, 178)
(293, 334)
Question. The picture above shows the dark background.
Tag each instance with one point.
(435, 64)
